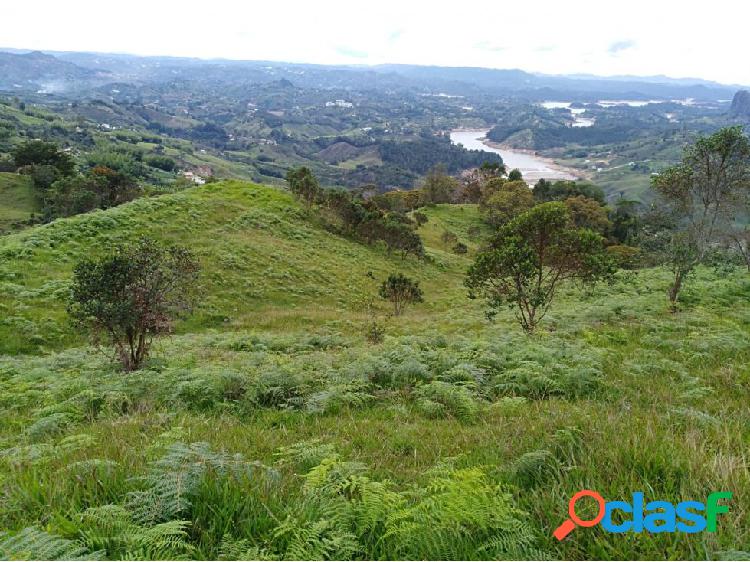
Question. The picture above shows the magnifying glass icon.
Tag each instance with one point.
(569, 524)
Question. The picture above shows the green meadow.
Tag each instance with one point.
(268, 427)
(17, 200)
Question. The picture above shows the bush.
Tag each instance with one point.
(375, 332)
(624, 256)
(401, 291)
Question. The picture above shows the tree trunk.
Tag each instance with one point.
(674, 289)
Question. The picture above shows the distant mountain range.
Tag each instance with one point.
(61, 72)
(38, 71)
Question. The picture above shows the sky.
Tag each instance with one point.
(626, 37)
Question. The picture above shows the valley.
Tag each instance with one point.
(255, 310)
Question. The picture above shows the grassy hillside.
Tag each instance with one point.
(17, 200)
(266, 263)
(454, 438)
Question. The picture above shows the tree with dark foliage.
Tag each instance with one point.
(133, 295)
(42, 153)
(304, 184)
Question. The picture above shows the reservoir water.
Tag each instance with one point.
(532, 167)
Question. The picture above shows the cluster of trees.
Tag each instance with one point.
(428, 151)
(502, 199)
(356, 217)
(43, 161)
(563, 230)
(65, 192)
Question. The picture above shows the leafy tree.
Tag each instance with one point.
(474, 184)
(625, 256)
(531, 256)
(511, 199)
(588, 213)
(704, 192)
(303, 183)
(438, 186)
(161, 162)
(560, 190)
(625, 219)
(42, 175)
(515, 175)
(492, 169)
(40, 153)
(401, 237)
(400, 290)
(133, 295)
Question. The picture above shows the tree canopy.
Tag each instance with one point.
(530, 256)
(133, 295)
(704, 193)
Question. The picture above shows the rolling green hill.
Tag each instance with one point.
(266, 263)
(453, 438)
(17, 200)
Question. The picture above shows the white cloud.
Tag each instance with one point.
(634, 37)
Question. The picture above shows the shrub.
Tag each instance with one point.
(375, 332)
(304, 184)
(448, 237)
(460, 248)
(624, 256)
(401, 291)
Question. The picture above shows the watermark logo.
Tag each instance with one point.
(653, 517)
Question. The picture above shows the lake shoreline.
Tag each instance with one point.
(541, 166)
(551, 162)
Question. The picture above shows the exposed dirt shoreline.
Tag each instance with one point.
(553, 164)
(566, 171)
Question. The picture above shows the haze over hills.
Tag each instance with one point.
(27, 71)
